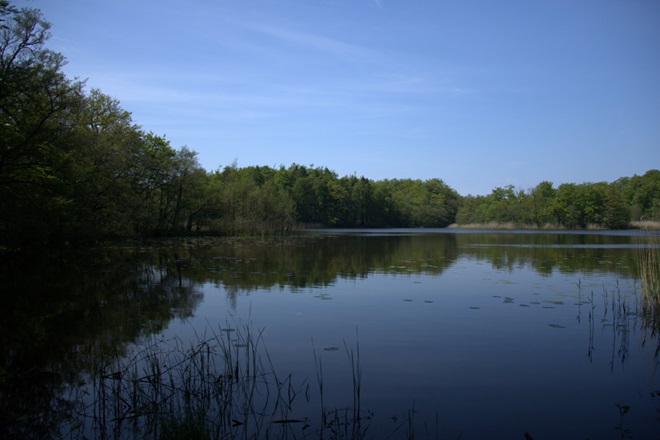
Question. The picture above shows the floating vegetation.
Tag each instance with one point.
(508, 300)
(507, 282)
(428, 301)
(407, 300)
(524, 305)
(474, 307)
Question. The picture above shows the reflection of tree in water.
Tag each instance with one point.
(243, 265)
(546, 253)
(247, 264)
(63, 315)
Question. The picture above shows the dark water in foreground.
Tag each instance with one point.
(484, 334)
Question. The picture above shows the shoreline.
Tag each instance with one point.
(650, 225)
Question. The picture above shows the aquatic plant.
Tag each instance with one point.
(649, 273)
(343, 423)
(222, 386)
(625, 433)
(218, 387)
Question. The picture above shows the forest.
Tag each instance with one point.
(75, 169)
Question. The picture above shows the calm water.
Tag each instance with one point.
(485, 335)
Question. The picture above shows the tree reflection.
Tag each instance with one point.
(63, 314)
(68, 314)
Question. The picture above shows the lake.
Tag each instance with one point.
(422, 333)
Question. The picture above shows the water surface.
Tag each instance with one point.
(485, 334)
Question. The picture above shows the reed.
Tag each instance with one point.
(645, 224)
(649, 273)
(221, 386)
(224, 386)
(217, 387)
(343, 423)
(509, 226)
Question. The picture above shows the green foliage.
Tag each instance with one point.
(35, 97)
(76, 169)
(259, 199)
(643, 195)
(607, 205)
(417, 203)
(250, 200)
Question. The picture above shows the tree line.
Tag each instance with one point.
(76, 169)
(612, 205)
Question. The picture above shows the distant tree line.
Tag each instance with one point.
(76, 169)
(610, 205)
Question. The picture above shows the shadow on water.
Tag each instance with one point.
(62, 315)
(69, 362)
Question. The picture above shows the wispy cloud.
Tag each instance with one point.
(410, 84)
(198, 97)
(312, 41)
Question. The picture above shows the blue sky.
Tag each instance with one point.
(479, 93)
